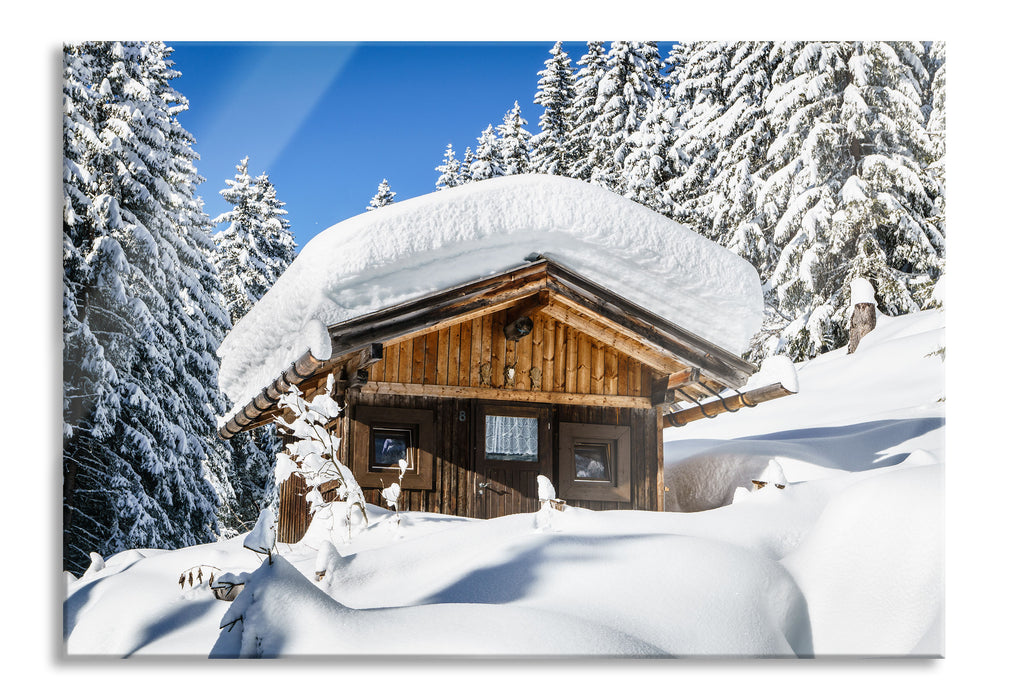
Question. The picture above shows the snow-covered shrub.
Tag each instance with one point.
(313, 454)
(195, 575)
(391, 493)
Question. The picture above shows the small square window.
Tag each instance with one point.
(382, 436)
(593, 461)
(389, 445)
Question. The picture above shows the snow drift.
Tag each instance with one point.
(406, 250)
(845, 560)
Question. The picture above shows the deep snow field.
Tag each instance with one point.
(845, 560)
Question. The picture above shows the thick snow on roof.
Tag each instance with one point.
(415, 247)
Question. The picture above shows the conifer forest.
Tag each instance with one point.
(817, 162)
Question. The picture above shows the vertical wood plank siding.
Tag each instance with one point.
(553, 357)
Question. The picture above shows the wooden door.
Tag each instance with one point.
(514, 445)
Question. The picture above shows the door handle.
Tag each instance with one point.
(490, 487)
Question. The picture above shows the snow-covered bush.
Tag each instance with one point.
(390, 494)
(313, 454)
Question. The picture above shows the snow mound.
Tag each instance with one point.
(872, 567)
(402, 252)
(268, 620)
(862, 292)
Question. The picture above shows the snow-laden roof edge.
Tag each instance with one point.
(412, 248)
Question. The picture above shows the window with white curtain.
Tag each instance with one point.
(512, 438)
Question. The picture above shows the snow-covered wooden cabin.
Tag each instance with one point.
(497, 331)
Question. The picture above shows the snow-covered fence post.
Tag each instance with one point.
(863, 311)
(548, 503)
(313, 454)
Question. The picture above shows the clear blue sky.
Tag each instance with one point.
(328, 121)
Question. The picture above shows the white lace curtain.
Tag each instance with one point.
(512, 437)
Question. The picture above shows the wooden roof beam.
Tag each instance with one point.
(606, 334)
(712, 408)
(689, 348)
(492, 394)
(664, 387)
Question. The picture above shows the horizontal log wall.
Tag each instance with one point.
(554, 357)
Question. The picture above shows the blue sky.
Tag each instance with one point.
(328, 121)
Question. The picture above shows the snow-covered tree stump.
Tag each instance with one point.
(863, 312)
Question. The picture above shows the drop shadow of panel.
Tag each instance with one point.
(512, 580)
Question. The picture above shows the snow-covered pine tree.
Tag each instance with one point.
(937, 126)
(850, 194)
(383, 197)
(556, 91)
(647, 168)
(93, 267)
(720, 90)
(144, 310)
(250, 255)
(513, 142)
(630, 83)
(449, 174)
(487, 159)
(466, 168)
(257, 245)
(699, 99)
(583, 108)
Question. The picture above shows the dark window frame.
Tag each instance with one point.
(420, 455)
(618, 488)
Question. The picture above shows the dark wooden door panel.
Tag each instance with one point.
(505, 486)
(510, 490)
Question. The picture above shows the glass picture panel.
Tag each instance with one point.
(512, 438)
(593, 461)
(389, 445)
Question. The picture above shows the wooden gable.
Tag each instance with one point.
(554, 363)
(586, 346)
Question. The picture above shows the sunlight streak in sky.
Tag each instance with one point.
(274, 99)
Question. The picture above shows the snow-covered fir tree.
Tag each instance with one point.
(383, 197)
(257, 245)
(849, 194)
(250, 255)
(649, 164)
(699, 98)
(487, 159)
(449, 174)
(465, 169)
(513, 143)
(631, 81)
(937, 126)
(143, 310)
(720, 90)
(583, 108)
(555, 93)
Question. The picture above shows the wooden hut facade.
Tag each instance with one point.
(484, 386)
